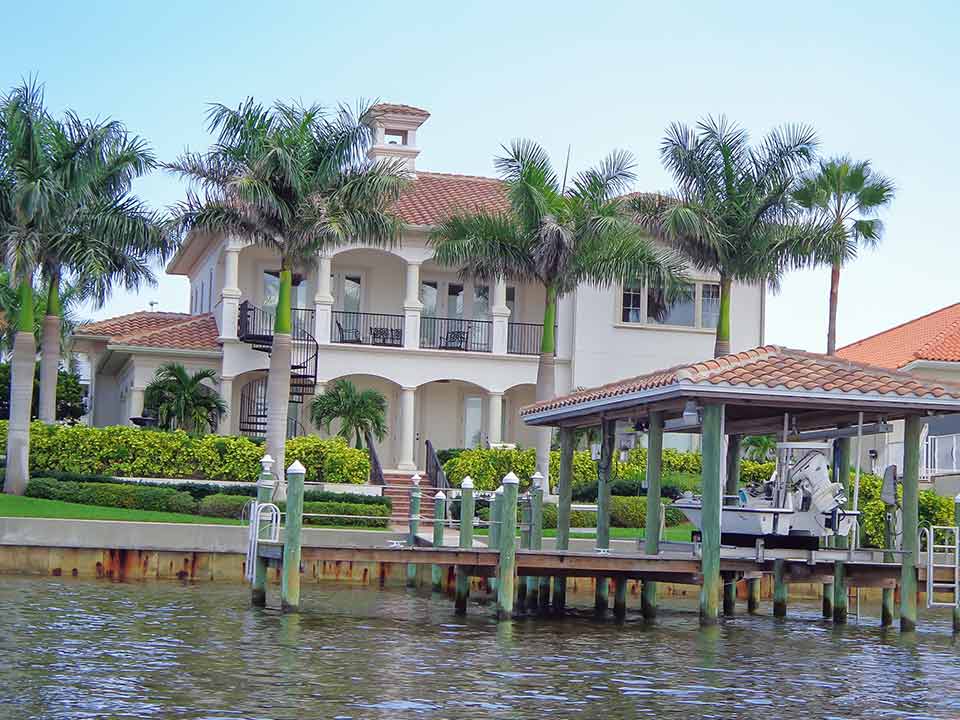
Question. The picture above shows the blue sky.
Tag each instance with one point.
(877, 80)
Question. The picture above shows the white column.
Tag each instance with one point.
(407, 410)
(494, 417)
(230, 295)
(412, 307)
(323, 301)
(501, 318)
(93, 359)
(225, 426)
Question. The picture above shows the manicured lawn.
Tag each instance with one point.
(679, 533)
(14, 506)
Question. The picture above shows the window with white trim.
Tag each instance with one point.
(699, 307)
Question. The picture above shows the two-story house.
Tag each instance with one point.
(455, 359)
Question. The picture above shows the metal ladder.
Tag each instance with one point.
(948, 550)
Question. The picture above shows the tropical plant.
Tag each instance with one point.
(71, 298)
(732, 212)
(558, 236)
(359, 413)
(182, 400)
(294, 179)
(759, 448)
(70, 395)
(845, 195)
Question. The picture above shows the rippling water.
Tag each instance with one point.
(72, 649)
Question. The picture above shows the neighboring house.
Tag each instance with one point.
(929, 347)
(455, 359)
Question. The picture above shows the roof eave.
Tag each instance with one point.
(154, 350)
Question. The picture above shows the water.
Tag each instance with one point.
(73, 649)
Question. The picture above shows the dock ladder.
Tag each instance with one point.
(941, 555)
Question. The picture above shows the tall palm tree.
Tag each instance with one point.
(360, 413)
(558, 237)
(101, 235)
(846, 195)
(28, 188)
(296, 180)
(732, 212)
(182, 400)
(71, 298)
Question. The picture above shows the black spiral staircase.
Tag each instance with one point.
(255, 327)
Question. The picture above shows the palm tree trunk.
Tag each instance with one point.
(21, 396)
(832, 320)
(278, 379)
(546, 382)
(50, 353)
(722, 345)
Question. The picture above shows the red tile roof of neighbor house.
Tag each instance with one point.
(177, 331)
(769, 367)
(934, 336)
(433, 197)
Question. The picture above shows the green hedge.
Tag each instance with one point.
(231, 506)
(135, 452)
(133, 497)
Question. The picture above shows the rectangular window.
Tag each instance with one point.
(455, 301)
(632, 303)
(709, 305)
(512, 301)
(472, 421)
(682, 312)
(271, 290)
(481, 302)
(352, 288)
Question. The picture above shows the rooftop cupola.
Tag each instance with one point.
(395, 132)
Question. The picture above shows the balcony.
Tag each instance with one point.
(442, 333)
(357, 328)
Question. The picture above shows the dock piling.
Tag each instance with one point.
(753, 596)
(779, 589)
(439, 516)
(911, 512)
(538, 597)
(608, 430)
(712, 437)
(730, 490)
(414, 521)
(564, 499)
(493, 533)
(265, 485)
(507, 566)
(290, 580)
(620, 597)
(887, 594)
(651, 542)
(466, 542)
(523, 583)
(840, 594)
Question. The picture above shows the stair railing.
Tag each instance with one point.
(376, 469)
(435, 475)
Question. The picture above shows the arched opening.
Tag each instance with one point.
(451, 414)
(387, 449)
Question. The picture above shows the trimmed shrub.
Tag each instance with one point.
(628, 512)
(135, 452)
(223, 505)
(346, 508)
(448, 454)
(130, 496)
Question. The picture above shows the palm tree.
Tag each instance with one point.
(71, 298)
(100, 236)
(732, 213)
(296, 180)
(360, 413)
(760, 448)
(846, 195)
(181, 400)
(558, 237)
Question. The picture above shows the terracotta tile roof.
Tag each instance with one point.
(935, 336)
(433, 197)
(399, 109)
(768, 367)
(177, 331)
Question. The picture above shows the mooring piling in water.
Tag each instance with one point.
(536, 539)
(753, 596)
(840, 592)
(439, 517)
(507, 565)
(523, 586)
(466, 543)
(730, 490)
(564, 499)
(620, 597)
(414, 526)
(889, 537)
(265, 486)
(604, 469)
(493, 533)
(290, 578)
(779, 589)
(710, 533)
(911, 521)
(651, 541)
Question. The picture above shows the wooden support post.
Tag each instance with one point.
(753, 596)
(265, 485)
(608, 431)
(523, 586)
(466, 542)
(911, 521)
(414, 527)
(565, 499)
(651, 542)
(840, 595)
(439, 517)
(889, 537)
(956, 522)
(493, 533)
(290, 580)
(536, 585)
(827, 604)
(730, 489)
(507, 567)
(712, 434)
(620, 597)
(779, 589)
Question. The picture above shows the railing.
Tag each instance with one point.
(253, 411)
(524, 338)
(456, 334)
(435, 475)
(255, 325)
(376, 469)
(355, 328)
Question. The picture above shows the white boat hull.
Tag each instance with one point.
(747, 521)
